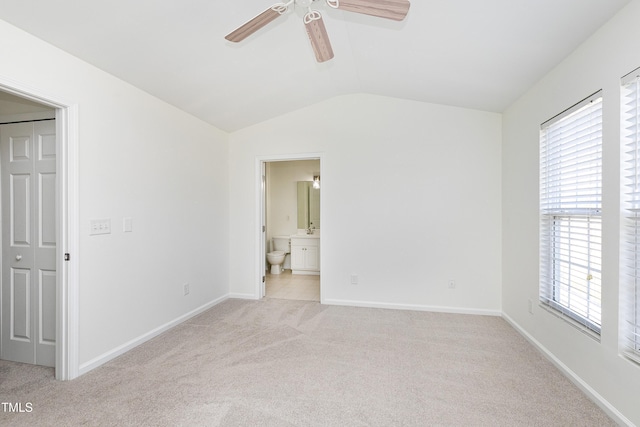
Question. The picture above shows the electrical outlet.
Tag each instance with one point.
(186, 289)
(354, 279)
(452, 284)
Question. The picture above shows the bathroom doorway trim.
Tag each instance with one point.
(66, 365)
(260, 235)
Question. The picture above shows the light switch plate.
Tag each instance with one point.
(99, 226)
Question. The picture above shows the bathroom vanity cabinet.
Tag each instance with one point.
(305, 254)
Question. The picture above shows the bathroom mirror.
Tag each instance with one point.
(308, 205)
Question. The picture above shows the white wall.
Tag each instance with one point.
(597, 64)
(138, 158)
(410, 199)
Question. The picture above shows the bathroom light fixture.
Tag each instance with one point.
(316, 181)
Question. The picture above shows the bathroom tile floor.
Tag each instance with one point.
(292, 286)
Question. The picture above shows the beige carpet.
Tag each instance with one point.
(298, 363)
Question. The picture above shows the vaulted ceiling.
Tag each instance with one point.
(480, 54)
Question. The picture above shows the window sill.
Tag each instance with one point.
(595, 335)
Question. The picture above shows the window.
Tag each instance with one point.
(570, 213)
(630, 241)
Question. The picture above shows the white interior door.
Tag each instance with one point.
(263, 234)
(28, 175)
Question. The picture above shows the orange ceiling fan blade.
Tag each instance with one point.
(389, 9)
(253, 25)
(318, 37)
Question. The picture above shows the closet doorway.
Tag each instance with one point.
(28, 199)
(39, 197)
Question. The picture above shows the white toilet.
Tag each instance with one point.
(280, 247)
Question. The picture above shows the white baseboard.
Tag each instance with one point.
(607, 407)
(415, 307)
(242, 296)
(112, 354)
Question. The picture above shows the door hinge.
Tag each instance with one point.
(67, 257)
(264, 228)
(264, 279)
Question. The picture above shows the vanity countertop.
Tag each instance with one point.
(305, 236)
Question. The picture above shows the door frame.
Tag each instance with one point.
(260, 236)
(67, 224)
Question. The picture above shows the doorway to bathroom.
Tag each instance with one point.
(290, 239)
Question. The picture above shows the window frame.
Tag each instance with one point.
(571, 221)
(630, 216)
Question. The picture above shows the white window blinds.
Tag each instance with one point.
(570, 213)
(630, 250)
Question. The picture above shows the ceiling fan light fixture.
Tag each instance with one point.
(389, 9)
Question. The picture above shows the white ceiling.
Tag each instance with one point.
(480, 54)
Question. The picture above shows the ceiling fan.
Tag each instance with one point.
(390, 9)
